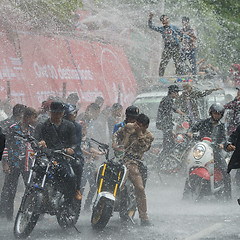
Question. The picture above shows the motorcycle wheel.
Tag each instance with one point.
(197, 187)
(102, 213)
(169, 164)
(28, 214)
(66, 217)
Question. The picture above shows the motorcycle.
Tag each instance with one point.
(115, 191)
(204, 178)
(43, 194)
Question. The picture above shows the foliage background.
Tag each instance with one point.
(124, 23)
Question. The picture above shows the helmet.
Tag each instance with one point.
(217, 108)
(185, 19)
(132, 111)
(173, 88)
(70, 109)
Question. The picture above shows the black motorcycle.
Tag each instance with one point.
(115, 192)
(43, 193)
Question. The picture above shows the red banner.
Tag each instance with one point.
(37, 66)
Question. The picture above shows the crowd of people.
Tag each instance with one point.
(58, 125)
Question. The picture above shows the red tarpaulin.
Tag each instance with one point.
(38, 66)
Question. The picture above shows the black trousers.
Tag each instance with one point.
(221, 164)
(168, 53)
(65, 176)
(9, 190)
(168, 140)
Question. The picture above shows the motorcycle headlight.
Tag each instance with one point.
(43, 161)
(199, 151)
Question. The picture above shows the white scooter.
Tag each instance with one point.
(203, 177)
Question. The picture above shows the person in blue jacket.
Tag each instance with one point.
(170, 34)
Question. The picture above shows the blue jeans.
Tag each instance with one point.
(190, 55)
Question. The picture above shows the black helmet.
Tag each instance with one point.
(173, 88)
(185, 19)
(217, 108)
(132, 111)
(57, 106)
(70, 109)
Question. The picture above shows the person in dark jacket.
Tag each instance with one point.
(233, 144)
(70, 114)
(57, 133)
(16, 160)
(2, 143)
(164, 120)
(234, 105)
(213, 128)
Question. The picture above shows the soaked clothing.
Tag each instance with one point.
(235, 121)
(165, 123)
(188, 43)
(169, 33)
(188, 48)
(188, 103)
(17, 155)
(170, 36)
(58, 137)
(2, 143)
(234, 139)
(207, 129)
(218, 135)
(135, 145)
(5, 124)
(165, 113)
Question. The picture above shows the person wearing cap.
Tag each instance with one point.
(187, 102)
(16, 160)
(170, 34)
(188, 46)
(134, 139)
(234, 105)
(164, 121)
(57, 133)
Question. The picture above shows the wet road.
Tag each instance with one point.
(172, 219)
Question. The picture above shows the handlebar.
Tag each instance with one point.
(102, 145)
(47, 151)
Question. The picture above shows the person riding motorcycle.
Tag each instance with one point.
(57, 133)
(213, 128)
(135, 139)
